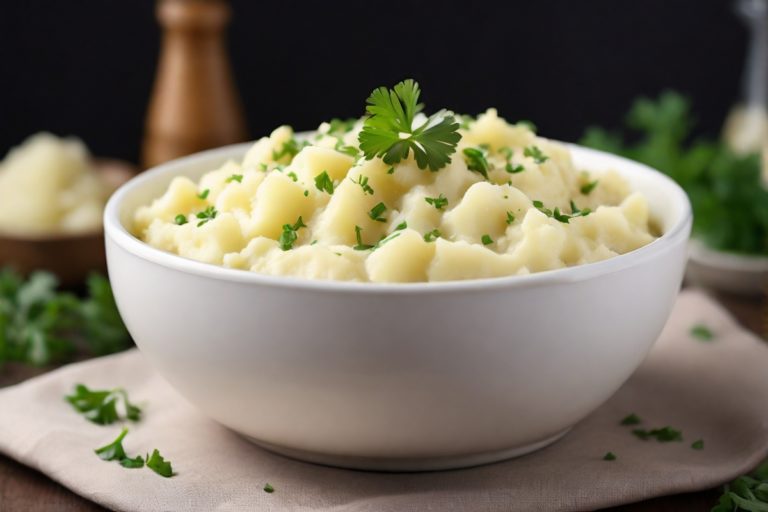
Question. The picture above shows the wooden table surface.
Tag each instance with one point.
(25, 490)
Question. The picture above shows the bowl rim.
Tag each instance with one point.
(116, 233)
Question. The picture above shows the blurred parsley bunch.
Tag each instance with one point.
(729, 203)
(39, 325)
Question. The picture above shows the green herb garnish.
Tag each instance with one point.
(290, 148)
(359, 238)
(180, 220)
(476, 161)
(662, 435)
(698, 444)
(269, 489)
(363, 182)
(746, 493)
(510, 218)
(159, 465)
(588, 187)
(204, 194)
(100, 406)
(293, 176)
(486, 239)
(438, 202)
(609, 456)
(377, 211)
(235, 177)
(132, 463)
(702, 333)
(432, 235)
(206, 215)
(535, 153)
(290, 234)
(323, 182)
(401, 226)
(347, 150)
(632, 419)
(514, 169)
(388, 130)
(39, 325)
(114, 450)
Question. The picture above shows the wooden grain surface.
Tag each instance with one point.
(25, 490)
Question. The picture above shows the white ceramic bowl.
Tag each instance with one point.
(397, 376)
(728, 272)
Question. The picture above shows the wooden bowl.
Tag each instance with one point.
(70, 257)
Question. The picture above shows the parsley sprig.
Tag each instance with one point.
(476, 161)
(388, 131)
(438, 202)
(290, 234)
(101, 406)
(115, 451)
(324, 183)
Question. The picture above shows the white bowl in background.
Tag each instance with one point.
(729, 272)
(397, 377)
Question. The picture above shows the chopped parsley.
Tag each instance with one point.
(535, 153)
(180, 220)
(702, 333)
(662, 435)
(588, 187)
(159, 465)
(384, 240)
(476, 161)
(289, 235)
(438, 202)
(388, 130)
(609, 456)
(748, 492)
(290, 148)
(293, 176)
(698, 444)
(206, 215)
(347, 150)
(514, 169)
(632, 419)
(391, 170)
(132, 463)
(359, 238)
(486, 239)
(269, 489)
(377, 212)
(337, 125)
(204, 194)
(510, 218)
(306, 193)
(235, 177)
(432, 235)
(363, 182)
(324, 183)
(401, 226)
(100, 406)
(114, 450)
(560, 216)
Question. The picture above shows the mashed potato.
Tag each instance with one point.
(48, 186)
(509, 203)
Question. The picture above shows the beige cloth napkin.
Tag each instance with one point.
(716, 391)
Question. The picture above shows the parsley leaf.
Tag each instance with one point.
(323, 182)
(588, 187)
(114, 450)
(388, 130)
(510, 218)
(401, 226)
(438, 202)
(100, 406)
(363, 182)
(702, 333)
(698, 444)
(609, 456)
(204, 194)
(662, 435)
(235, 177)
(486, 239)
(535, 153)
(206, 215)
(289, 235)
(159, 465)
(359, 237)
(133, 463)
(747, 493)
(432, 235)
(632, 419)
(180, 220)
(268, 488)
(476, 161)
(289, 149)
(377, 211)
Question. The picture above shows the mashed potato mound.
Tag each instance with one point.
(317, 209)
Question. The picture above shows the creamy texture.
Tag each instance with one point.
(48, 186)
(488, 227)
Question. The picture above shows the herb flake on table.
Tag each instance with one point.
(610, 456)
(113, 450)
(631, 419)
(268, 488)
(389, 133)
(159, 464)
(746, 493)
(698, 444)
(662, 435)
(100, 406)
(702, 333)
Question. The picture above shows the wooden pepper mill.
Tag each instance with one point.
(194, 104)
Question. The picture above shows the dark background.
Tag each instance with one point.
(86, 67)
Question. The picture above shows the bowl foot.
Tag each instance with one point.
(408, 464)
